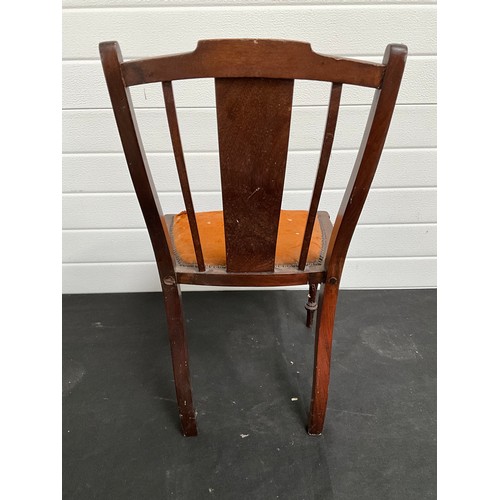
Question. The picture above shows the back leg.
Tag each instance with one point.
(322, 357)
(311, 304)
(180, 363)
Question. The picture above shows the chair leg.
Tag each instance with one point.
(311, 304)
(180, 363)
(322, 357)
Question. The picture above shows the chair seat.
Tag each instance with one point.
(211, 230)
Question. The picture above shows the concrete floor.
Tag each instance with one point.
(251, 369)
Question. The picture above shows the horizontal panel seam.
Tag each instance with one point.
(351, 56)
(144, 230)
(295, 106)
(301, 151)
(418, 55)
(409, 58)
(305, 106)
(289, 191)
(204, 7)
(118, 228)
(202, 192)
(114, 263)
(215, 151)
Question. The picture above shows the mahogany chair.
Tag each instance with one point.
(252, 242)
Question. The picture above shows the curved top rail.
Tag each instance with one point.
(252, 58)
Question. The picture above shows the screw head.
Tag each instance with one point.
(169, 280)
(332, 281)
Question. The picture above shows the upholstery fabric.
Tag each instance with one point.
(211, 229)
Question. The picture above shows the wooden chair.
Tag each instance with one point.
(254, 82)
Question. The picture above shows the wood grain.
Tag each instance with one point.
(175, 135)
(253, 58)
(326, 151)
(253, 117)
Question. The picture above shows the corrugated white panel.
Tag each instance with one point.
(105, 246)
(383, 206)
(109, 173)
(415, 272)
(133, 245)
(84, 87)
(95, 130)
(331, 29)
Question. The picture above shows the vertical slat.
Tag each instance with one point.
(175, 135)
(253, 117)
(326, 150)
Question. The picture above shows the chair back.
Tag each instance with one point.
(254, 82)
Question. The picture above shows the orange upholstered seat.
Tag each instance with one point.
(211, 229)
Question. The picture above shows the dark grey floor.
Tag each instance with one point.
(251, 356)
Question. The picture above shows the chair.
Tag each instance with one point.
(252, 242)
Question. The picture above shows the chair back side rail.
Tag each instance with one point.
(366, 163)
(137, 162)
